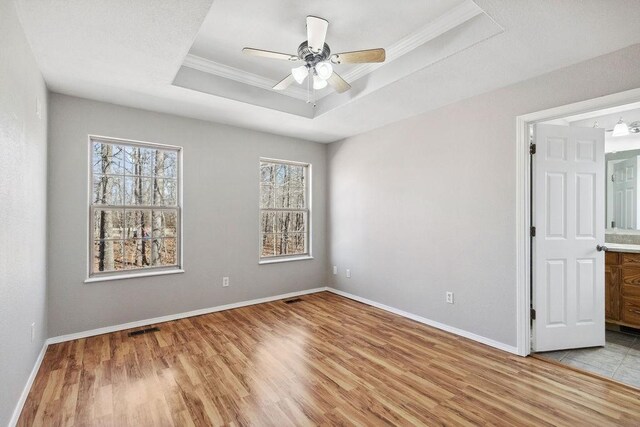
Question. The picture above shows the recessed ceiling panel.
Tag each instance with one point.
(279, 26)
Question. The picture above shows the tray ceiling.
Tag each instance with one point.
(215, 63)
(133, 53)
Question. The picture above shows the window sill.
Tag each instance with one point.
(132, 275)
(279, 260)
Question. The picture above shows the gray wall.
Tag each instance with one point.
(427, 205)
(23, 172)
(220, 217)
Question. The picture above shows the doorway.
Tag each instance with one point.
(583, 241)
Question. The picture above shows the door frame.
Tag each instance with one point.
(523, 198)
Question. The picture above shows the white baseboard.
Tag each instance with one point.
(27, 387)
(161, 319)
(438, 325)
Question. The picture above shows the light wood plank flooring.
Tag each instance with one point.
(326, 360)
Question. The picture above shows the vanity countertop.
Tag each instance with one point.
(619, 247)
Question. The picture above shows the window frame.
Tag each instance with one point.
(97, 276)
(308, 173)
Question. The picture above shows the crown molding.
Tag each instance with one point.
(241, 76)
(446, 22)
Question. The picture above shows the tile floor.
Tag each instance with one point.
(618, 359)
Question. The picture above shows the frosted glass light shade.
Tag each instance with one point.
(621, 129)
(319, 83)
(300, 73)
(324, 70)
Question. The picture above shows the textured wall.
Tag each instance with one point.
(428, 204)
(220, 217)
(23, 172)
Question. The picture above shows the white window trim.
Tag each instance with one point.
(309, 199)
(151, 271)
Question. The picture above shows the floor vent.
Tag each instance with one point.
(292, 301)
(143, 331)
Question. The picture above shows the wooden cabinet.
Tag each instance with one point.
(622, 288)
(611, 293)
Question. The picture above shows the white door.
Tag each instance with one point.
(569, 205)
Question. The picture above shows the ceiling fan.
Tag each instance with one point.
(317, 59)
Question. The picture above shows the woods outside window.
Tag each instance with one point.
(284, 209)
(134, 216)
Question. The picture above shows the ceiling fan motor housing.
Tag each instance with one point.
(312, 59)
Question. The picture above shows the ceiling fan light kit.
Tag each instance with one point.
(317, 58)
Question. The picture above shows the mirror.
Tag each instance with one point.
(623, 210)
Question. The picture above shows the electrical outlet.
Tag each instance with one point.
(449, 297)
(335, 269)
(225, 282)
(348, 273)
(33, 331)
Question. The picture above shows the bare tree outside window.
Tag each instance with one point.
(134, 206)
(284, 209)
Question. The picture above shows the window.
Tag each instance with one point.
(134, 213)
(284, 209)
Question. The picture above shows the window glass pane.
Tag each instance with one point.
(282, 197)
(281, 174)
(107, 255)
(267, 196)
(138, 191)
(107, 190)
(295, 243)
(296, 197)
(170, 164)
(296, 176)
(268, 244)
(164, 223)
(281, 244)
(163, 252)
(139, 161)
(164, 192)
(137, 253)
(267, 172)
(267, 222)
(107, 158)
(138, 224)
(108, 224)
(289, 222)
(290, 197)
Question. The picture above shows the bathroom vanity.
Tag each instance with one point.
(622, 284)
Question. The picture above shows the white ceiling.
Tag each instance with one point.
(129, 53)
(279, 26)
(414, 37)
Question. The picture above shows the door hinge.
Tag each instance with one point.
(532, 148)
(613, 178)
(533, 232)
(533, 314)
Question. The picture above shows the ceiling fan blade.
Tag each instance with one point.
(316, 33)
(338, 83)
(284, 83)
(269, 54)
(359, 56)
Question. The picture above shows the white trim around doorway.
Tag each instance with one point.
(523, 194)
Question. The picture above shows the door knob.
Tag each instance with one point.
(601, 248)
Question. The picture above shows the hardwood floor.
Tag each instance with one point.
(326, 360)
